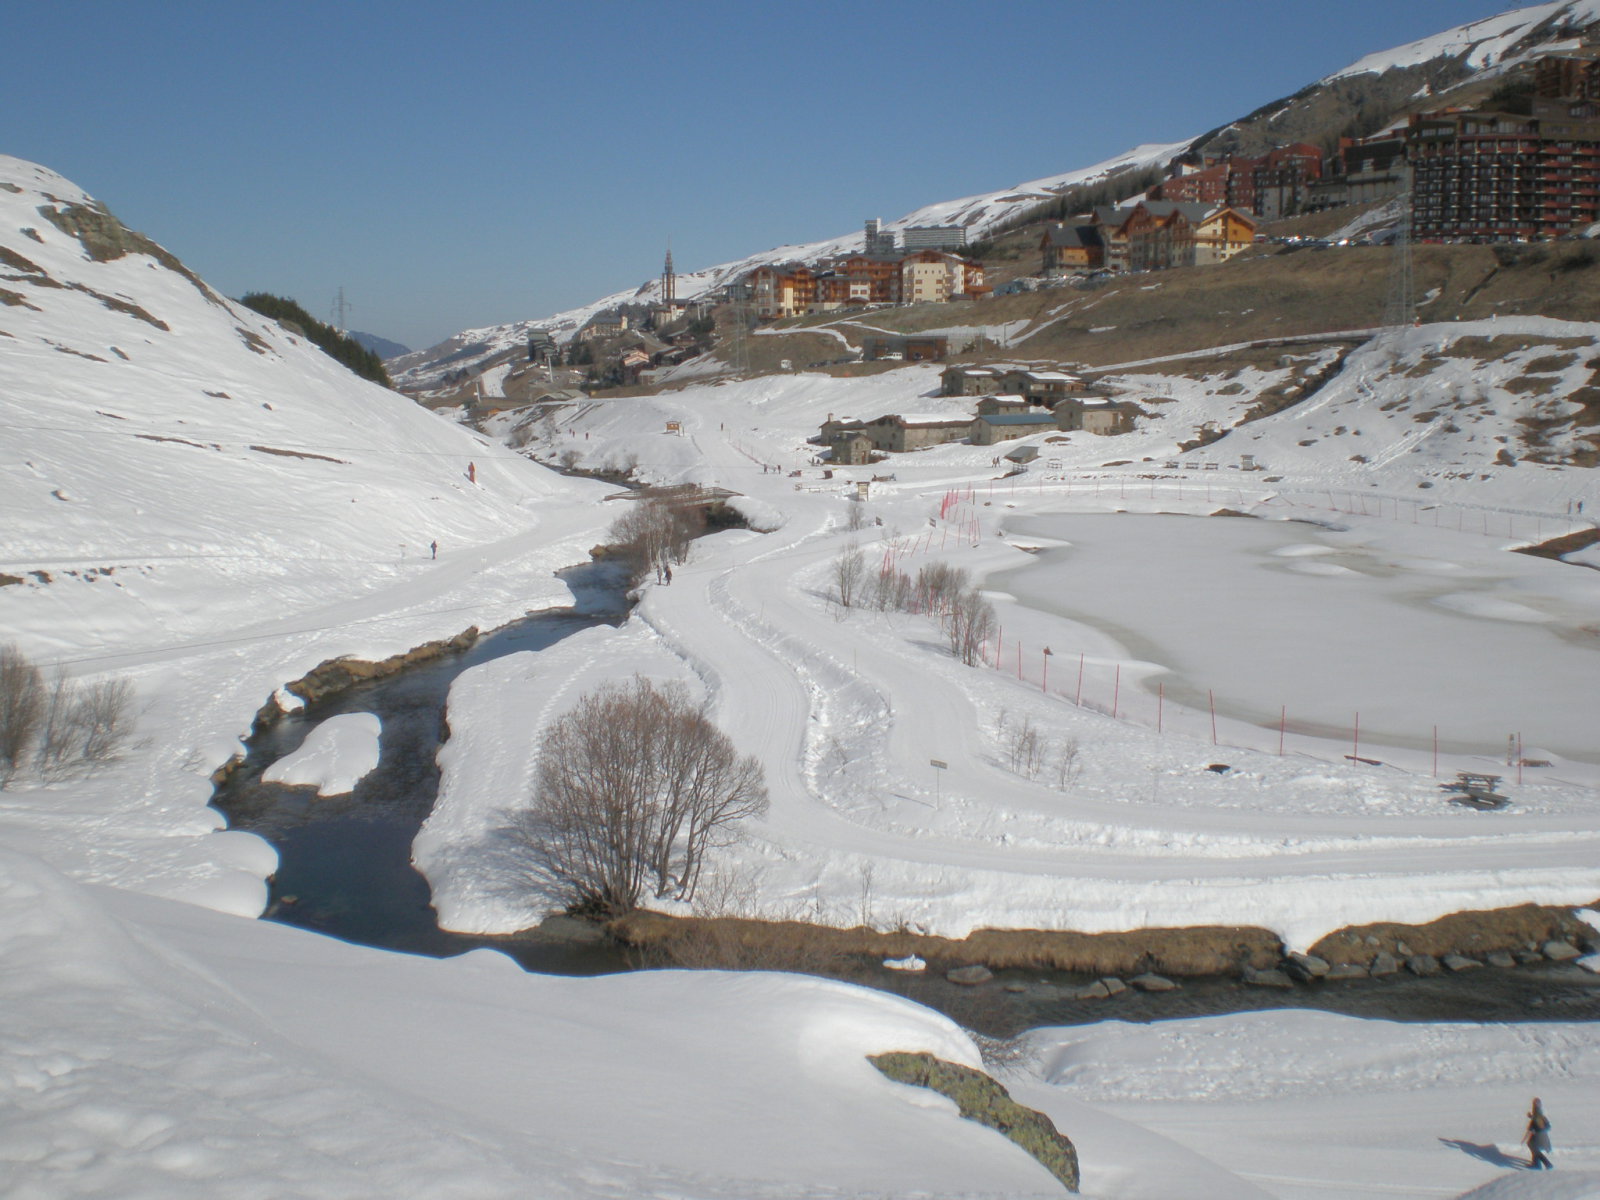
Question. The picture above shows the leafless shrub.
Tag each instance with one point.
(22, 701)
(938, 584)
(1067, 765)
(634, 787)
(55, 722)
(57, 730)
(848, 573)
(103, 716)
(968, 623)
(657, 531)
(1024, 747)
(855, 518)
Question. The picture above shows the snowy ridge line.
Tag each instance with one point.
(1293, 339)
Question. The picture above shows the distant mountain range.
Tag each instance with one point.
(1361, 97)
(382, 347)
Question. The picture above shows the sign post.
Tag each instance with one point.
(937, 765)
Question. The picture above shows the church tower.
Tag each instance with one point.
(669, 281)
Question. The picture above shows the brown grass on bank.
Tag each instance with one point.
(732, 942)
(1525, 927)
(736, 943)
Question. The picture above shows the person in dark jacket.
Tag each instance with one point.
(1537, 1139)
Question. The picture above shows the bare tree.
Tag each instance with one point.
(855, 518)
(634, 787)
(22, 702)
(658, 530)
(968, 623)
(1067, 764)
(103, 716)
(938, 584)
(849, 572)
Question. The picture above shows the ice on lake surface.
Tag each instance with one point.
(1328, 624)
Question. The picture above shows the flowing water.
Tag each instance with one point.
(345, 871)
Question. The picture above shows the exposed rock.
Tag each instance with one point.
(971, 976)
(1423, 964)
(1526, 957)
(1305, 966)
(982, 1099)
(1346, 971)
(1383, 963)
(1402, 950)
(1501, 958)
(1092, 991)
(1272, 977)
(1557, 951)
(1113, 985)
(1014, 987)
(1151, 982)
(1459, 962)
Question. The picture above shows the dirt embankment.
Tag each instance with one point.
(741, 943)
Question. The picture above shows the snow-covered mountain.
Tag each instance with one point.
(1490, 45)
(979, 214)
(160, 435)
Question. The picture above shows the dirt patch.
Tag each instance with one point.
(1568, 544)
(17, 300)
(1504, 345)
(151, 437)
(1533, 385)
(298, 454)
(1550, 363)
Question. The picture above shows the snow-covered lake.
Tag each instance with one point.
(1328, 624)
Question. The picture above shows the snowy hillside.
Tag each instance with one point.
(184, 480)
(1486, 43)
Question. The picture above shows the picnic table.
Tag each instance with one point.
(1475, 790)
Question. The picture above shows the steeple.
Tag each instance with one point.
(669, 281)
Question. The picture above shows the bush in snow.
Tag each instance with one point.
(634, 786)
(57, 723)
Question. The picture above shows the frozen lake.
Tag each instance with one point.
(1410, 628)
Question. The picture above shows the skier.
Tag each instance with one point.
(1537, 1139)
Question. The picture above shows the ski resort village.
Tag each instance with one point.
(1088, 688)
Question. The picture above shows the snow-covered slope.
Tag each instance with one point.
(1486, 43)
(192, 494)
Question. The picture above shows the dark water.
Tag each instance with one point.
(345, 871)
(345, 862)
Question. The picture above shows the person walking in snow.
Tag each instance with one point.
(1537, 1139)
(433, 548)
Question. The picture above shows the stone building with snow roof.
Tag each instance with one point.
(989, 428)
(896, 433)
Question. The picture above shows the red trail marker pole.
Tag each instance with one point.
(1355, 746)
(1211, 699)
(1436, 752)
(1161, 703)
(1116, 692)
(1283, 720)
(1078, 699)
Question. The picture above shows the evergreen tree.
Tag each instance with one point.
(326, 338)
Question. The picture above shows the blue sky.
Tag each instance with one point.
(453, 165)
